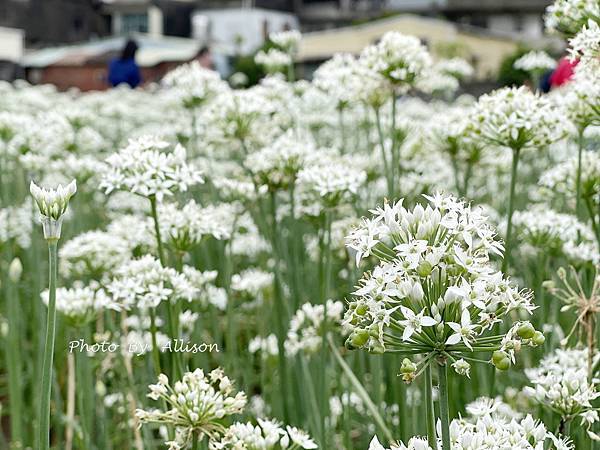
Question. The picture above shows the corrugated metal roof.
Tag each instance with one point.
(152, 50)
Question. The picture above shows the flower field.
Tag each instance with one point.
(365, 260)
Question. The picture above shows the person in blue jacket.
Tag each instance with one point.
(124, 69)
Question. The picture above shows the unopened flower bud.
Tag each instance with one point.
(15, 270)
(562, 273)
(462, 367)
(359, 337)
(408, 366)
(500, 360)
(538, 338)
(424, 269)
(526, 331)
(361, 309)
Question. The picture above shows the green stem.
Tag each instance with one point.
(386, 166)
(395, 151)
(155, 352)
(342, 129)
(444, 415)
(578, 179)
(172, 313)
(161, 255)
(511, 206)
(595, 225)
(14, 363)
(430, 412)
(360, 391)
(326, 257)
(44, 414)
(279, 306)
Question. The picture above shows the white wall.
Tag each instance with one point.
(223, 28)
(11, 44)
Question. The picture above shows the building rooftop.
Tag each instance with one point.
(152, 50)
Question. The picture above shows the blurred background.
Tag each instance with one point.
(69, 43)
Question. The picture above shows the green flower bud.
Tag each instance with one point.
(424, 269)
(408, 366)
(526, 331)
(359, 337)
(500, 360)
(377, 348)
(538, 338)
(361, 310)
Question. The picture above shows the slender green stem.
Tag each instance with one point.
(279, 306)
(395, 151)
(431, 437)
(326, 257)
(360, 391)
(161, 254)
(172, 313)
(595, 224)
(386, 166)
(14, 364)
(511, 206)
(155, 352)
(44, 414)
(342, 129)
(578, 179)
(444, 414)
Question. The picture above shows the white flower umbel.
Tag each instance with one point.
(561, 384)
(267, 435)
(309, 324)
(516, 118)
(273, 60)
(585, 47)
(569, 16)
(286, 40)
(145, 283)
(196, 405)
(535, 61)
(455, 67)
(52, 204)
(398, 58)
(194, 85)
(490, 432)
(150, 167)
(80, 304)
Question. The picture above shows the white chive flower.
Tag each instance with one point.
(150, 167)
(52, 204)
(196, 405)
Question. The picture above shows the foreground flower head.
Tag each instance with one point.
(53, 203)
(434, 289)
(196, 405)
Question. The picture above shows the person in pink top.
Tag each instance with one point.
(563, 72)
